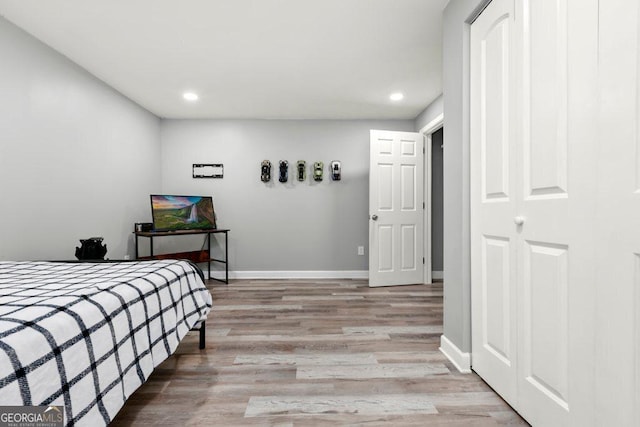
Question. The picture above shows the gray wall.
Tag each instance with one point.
(437, 228)
(274, 226)
(77, 159)
(457, 275)
(432, 111)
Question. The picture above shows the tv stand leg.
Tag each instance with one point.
(209, 259)
(226, 258)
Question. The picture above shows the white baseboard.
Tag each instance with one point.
(462, 361)
(437, 274)
(303, 274)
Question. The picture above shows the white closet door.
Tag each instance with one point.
(533, 157)
(618, 313)
(557, 47)
(493, 203)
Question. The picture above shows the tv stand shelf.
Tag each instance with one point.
(194, 256)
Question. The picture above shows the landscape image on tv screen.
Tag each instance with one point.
(182, 212)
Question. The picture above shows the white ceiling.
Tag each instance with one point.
(297, 59)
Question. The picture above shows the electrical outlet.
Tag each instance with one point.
(360, 250)
(127, 257)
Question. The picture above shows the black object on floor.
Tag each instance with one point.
(91, 249)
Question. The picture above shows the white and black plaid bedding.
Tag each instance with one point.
(87, 335)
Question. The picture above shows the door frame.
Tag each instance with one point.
(428, 130)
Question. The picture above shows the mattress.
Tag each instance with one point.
(86, 335)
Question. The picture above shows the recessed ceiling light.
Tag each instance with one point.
(190, 96)
(396, 96)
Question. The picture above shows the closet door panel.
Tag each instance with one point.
(545, 320)
(545, 113)
(493, 256)
(497, 297)
(555, 242)
(618, 332)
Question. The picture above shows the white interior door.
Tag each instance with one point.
(618, 331)
(557, 68)
(533, 148)
(396, 208)
(493, 199)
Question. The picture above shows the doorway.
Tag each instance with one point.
(396, 248)
(433, 214)
(437, 206)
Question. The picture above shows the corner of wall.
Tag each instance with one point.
(431, 111)
(461, 360)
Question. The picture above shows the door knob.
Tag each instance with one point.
(374, 217)
(519, 220)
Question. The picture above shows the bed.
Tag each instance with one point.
(86, 335)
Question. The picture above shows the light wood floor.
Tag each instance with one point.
(300, 353)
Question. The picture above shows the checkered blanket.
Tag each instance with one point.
(87, 335)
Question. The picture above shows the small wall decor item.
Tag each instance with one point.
(284, 171)
(208, 170)
(302, 170)
(336, 170)
(318, 170)
(265, 171)
(91, 249)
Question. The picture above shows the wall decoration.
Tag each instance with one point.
(336, 170)
(302, 170)
(318, 170)
(208, 170)
(284, 171)
(265, 171)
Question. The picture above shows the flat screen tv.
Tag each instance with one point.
(172, 213)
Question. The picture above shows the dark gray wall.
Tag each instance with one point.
(77, 159)
(437, 227)
(280, 227)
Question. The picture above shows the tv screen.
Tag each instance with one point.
(182, 212)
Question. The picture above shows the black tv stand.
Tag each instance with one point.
(195, 256)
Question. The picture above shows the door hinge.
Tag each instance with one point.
(423, 260)
(423, 206)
